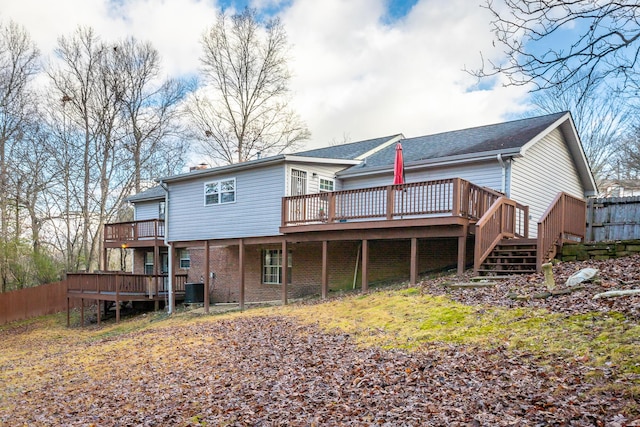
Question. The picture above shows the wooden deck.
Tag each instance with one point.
(418, 204)
(145, 233)
(118, 287)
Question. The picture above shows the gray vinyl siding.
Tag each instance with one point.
(256, 211)
(545, 170)
(485, 174)
(313, 183)
(147, 210)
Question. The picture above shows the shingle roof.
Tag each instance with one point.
(152, 193)
(346, 151)
(497, 137)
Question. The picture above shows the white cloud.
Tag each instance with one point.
(358, 76)
(353, 74)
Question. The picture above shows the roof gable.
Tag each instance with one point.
(350, 151)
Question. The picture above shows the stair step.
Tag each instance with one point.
(514, 254)
(511, 264)
(511, 242)
(511, 257)
(498, 249)
(492, 278)
(504, 273)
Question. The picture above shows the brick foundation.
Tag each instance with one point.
(388, 260)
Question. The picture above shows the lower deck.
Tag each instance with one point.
(118, 287)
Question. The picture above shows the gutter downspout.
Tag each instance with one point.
(166, 242)
(503, 183)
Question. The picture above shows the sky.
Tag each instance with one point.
(360, 68)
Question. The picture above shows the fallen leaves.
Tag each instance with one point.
(271, 370)
(274, 370)
(618, 274)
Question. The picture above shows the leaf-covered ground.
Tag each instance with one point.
(338, 363)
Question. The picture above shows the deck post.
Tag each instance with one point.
(285, 270)
(68, 308)
(206, 276)
(325, 272)
(82, 312)
(413, 274)
(284, 211)
(390, 202)
(241, 271)
(118, 279)
(462, 251)
(98, 311)
(331, 207)
(457, 188)
(365, 265)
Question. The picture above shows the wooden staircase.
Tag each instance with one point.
(511, 256)
(502, 246)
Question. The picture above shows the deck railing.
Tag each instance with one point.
(455, 197)
(134, 230)
(499, 222)
(564, 221)
(122, 283)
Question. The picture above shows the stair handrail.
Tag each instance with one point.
(564, 220)
(497, 223)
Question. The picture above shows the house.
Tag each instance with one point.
(620, 188)
(332, 217)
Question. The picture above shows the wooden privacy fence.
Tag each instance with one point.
(615, 218)
(31, 302)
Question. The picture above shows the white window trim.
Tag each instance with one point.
(289, 267)
(333, 184)
(147, 263)
(220, 202)
(184, 256)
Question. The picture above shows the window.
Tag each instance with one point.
(148, 263)
(272, 266)
(220, 192)
(185, 259)
(161, 210)
(326, 185)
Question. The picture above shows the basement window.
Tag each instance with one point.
(272, 266)
(185, 259)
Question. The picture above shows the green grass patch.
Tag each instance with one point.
(408, 319)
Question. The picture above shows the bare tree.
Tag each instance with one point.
(604, 43)
(113, 117)
(630, 161)
(18, 64)
(149, 107)
(246, 111)
(602, 121)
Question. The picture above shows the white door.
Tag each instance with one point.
(298, 188)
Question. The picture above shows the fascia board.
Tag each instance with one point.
(440, 161)
(236, 167)
(322, 160)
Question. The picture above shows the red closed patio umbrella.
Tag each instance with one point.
(398, 166)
